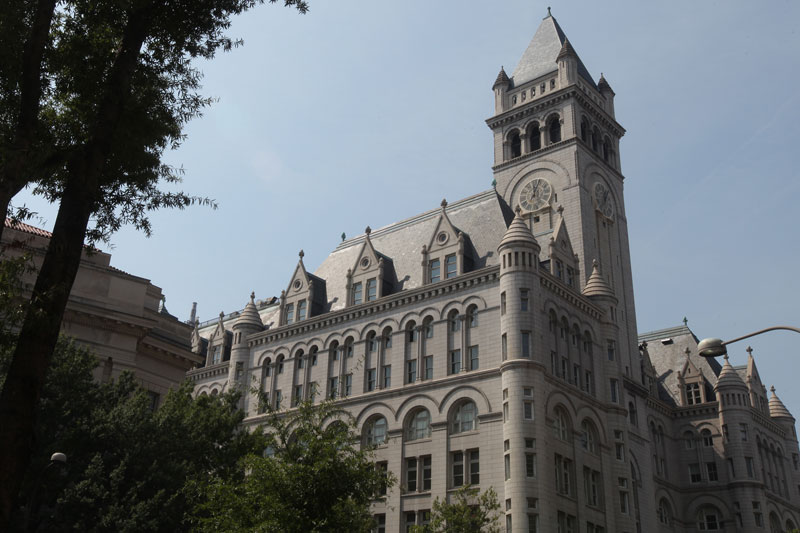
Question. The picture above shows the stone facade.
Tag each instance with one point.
(120, 317)
(493, 341)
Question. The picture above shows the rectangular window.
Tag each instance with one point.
(533, 523)
(348, 384)
(289, 313)
(504, 346)
(751, 472)
(411, 474)
(216, 357)
(372, 289)
(380, 523)
(523, 299)
(576, 375)
(711, 471)
(526, 344)
(507, 466)
(451, 268)
(527, 409)
(387, 376)
(530, 464)
(589, 380)
(358, 293)
(570, 276)
(564, 368)
(619, 451)
(278, 399)
(301, 310)
(508, 524)
(473, 358)
(458, 469)
(383, 468)
(240, 370)
(411, 519)
(426, 473)
(623, 502)
(693, 394)
(743, 430)
(757, 516)
(694, 473)
(731, 468)
(427, 367)
(563, 475)
(333, 387)
(591, 486)
(371, 377)
(411, 371)
(614, 384)
(505, 412)
(612, 350)
(435, 270)
(455, 361)
(298, 394)
(474, 467)
(502, 303)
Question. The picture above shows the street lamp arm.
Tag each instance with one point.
(759, 332)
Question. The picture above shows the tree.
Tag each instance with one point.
(314, 477)
(469, 512)
(91, 95)
(128, 466)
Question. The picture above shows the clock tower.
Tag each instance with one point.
(556, 157)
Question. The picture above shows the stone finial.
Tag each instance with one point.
(343, 236)
(368, 230)
(494, 183)
(221, 315)
(548, 12)
(444, 203)
(724, 356)
(595, 264)
(685, 321)
(518, 210)
(301, 254)
(253, 296)
(772, 389)
(687, 351)
(749, 351)
(560, 210)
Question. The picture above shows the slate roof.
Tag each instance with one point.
(667, 350)
(481, 217)
(540, 56)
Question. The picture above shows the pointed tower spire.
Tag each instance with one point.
(776, 407)
(502, 79)
(596, 285)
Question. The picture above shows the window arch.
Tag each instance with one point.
(664, 512)
(514, 144)
(708, 438)
(279, 364)
(774, 523)
(606, 150)
(554, 129)
(427, 325)
(534, 137)
(472, 316)
(688, 440)
(584, 130)
(375, 431)
(632, 414)
(589, 437)
(708, 519)
(387, 337)
(453, 323)
(465, 417)
(419, 425)
(372, 344)
(790, 525)
(411, 331)
(595, 139)
(561, 424)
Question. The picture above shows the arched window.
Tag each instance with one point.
(372, 344)
(514, 144)
(774, 524)
(606, 149)
(387, 337)
(708, 519)
(595, 139)
(664, 512)
(534, 137)
(589, 437)
(267, 367)
(411, 331)
(790, 526)
(453, 321)
(632, 414)
(427, 325)
(561, 424)
(708, 439)
(348, 346)
(465, 417)
(688, 440)
(584, 130)
(472, 316)
(555, 130)
(279, 364)
(419, 427)
(375, 431)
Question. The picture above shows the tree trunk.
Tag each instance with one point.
(20, 396)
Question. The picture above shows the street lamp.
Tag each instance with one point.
(58, 460)
(714, 347)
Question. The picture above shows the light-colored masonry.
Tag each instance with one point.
(493, 341)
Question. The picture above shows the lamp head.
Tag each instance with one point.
(58, 457)
(711, 348)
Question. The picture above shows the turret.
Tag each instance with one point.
(608, 94)
(567, 61)
(249, 322)
(500, 87)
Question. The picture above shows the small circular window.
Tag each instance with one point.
(442, 237)
(297, 284)
(365, 262)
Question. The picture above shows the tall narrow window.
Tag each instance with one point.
(611, 347)
(455, 361)
(693, 394)
(526, 344)
(358, 293)
(333, 387)
(451, 268)
(614, 389)
(426, 473)
(372, 289)
(289, 313)
(502, 303)
(523, 299)
(474, 467)
(458, 469)
(387, 376)
(427, 363)
(371, 379)
(534, 139)
(411, 371)
(411, 474)
(504, 346)
(515, 144)
(473, 358)
(435, 270)
(348, 384)
(301, 310)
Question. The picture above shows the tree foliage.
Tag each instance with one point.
(469, 511)
(315, 477)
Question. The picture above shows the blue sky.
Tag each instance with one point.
(363, 114)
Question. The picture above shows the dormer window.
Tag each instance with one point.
(216, 357)
(693, 394)
(289, 314)
(358, 293)
(301, 310)
(372, 289)
(451, 267)
(435, 270)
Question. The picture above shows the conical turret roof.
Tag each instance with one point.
(249, 316)
(519, 233)
(502, 78)
(566, 50)
(776, 407)
(603, 85)
(728, 377)
(596, 285)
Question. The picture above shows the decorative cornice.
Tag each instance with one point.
(635, 387)
(387, 303)
(547, 281)
(208, 371)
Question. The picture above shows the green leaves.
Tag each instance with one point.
(469, 511)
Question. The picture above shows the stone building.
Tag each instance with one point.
(119, 316)
(493, 341)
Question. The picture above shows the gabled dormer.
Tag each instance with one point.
(692, 383)
(648, 372)
(219, 344)
(368, 279)
(444, 255)
(304, 297)
(758, 392)
(564, 263)
(199, 344)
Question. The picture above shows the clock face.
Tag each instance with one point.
(603, 200)
(535, 194)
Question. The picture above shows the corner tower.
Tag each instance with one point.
(556, 144)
